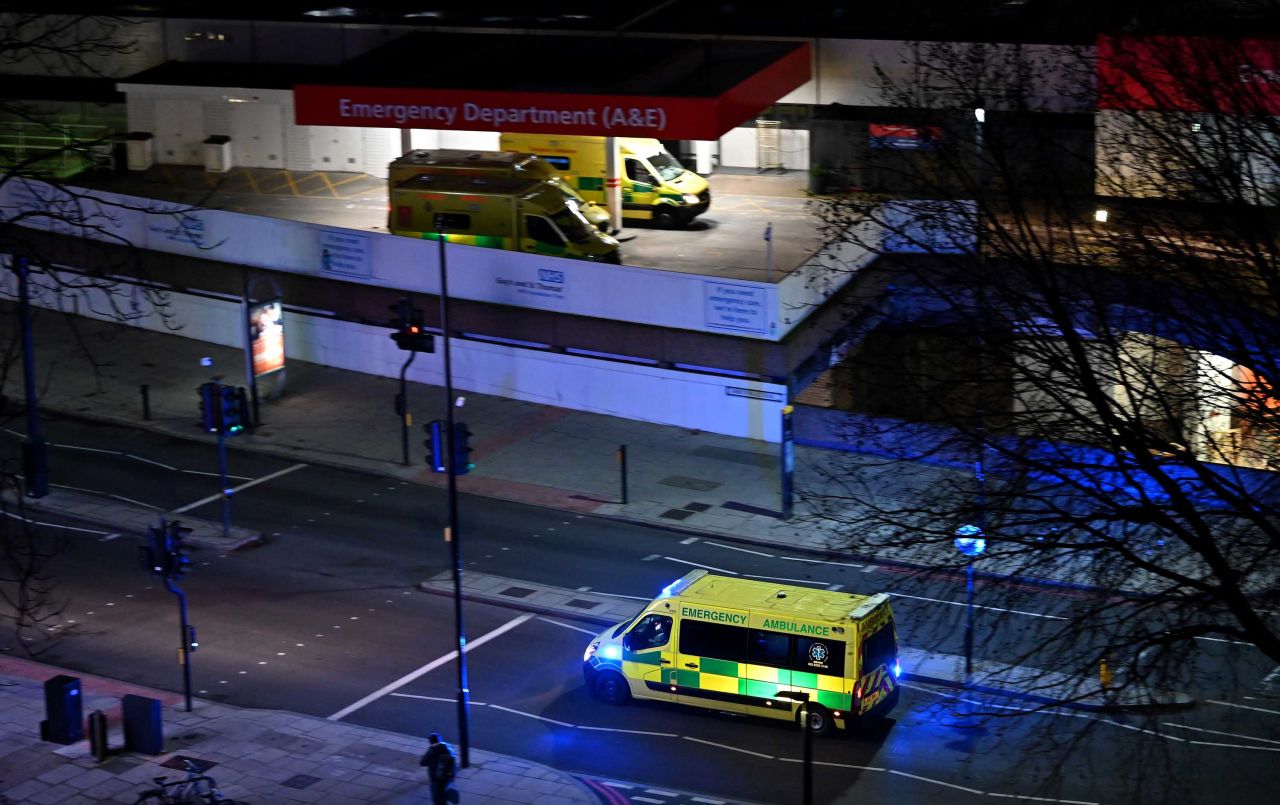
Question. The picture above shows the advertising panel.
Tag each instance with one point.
(266, 336)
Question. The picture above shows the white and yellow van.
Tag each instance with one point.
(498, 212)
(494, 163)
(754, 647)
(655, 186)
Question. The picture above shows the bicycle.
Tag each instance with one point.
(194, 788)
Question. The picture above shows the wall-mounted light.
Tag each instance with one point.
(1100, 215)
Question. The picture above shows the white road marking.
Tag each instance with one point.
(1218, 732)
(629, 732)
(1236, 746)
(567, 626)
(833, 765)
(658, 792)
(437, 699)
(43, 524)
(218, 475)
(240, 488)
(1243, 707)
(638, 798)
(685, 541)
(1042, 799)
(740, 550)
(789, 581)
(106, 494)
(730, 748)
(817, 561)
(1224, 640)
(429, 667)
(835, 588)
(616, 784)
(936, 782)
(114, 453)
(532, 715)
(707, 801)
(977, 606)
(704, 567)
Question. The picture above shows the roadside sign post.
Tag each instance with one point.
(788, 463)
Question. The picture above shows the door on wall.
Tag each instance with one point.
(179, 132)
(335, 148)
(257, 135)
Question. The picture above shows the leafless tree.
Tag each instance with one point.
(1078, 350)
(42, 210)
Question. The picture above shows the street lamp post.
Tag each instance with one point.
(970, 542)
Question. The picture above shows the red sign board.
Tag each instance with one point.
(672, 118)
(1189, 74)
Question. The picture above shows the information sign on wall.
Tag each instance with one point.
(731, 306)
(266, 336)
(345, 252)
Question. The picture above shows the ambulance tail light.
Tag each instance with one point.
(857, 692)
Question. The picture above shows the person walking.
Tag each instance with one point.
(441, 766)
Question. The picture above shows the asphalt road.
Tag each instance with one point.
(324, 619)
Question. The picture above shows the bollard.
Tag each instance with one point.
(622, 467)
(145, 391)
(1104, 674)
(98, 735)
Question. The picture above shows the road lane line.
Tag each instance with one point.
(1218, 732)
(241, 488)
(42, 524)
(730, 748)
(833, 764)
(1224, 640)
(937, 782)
(818, 561)
(1042, 799)
(438, 699)
(740, 550)
(116, 453)
(429, 667)
(789, 581)
(1236, 746)
(1243, 707)
(977, 606)
(704, 567)
(567, 626)
(108, 495)
(685, 541)
(629, 732)
(531, 715)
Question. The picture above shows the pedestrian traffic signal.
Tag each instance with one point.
(231, 409)
(210, 413)
(434, 444)
(165, 555)
(461, 449)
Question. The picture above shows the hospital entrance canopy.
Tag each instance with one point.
(669, 88)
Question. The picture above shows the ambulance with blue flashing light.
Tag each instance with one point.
(756, 648)
(655, 186)
(497, 212)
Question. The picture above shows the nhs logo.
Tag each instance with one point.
(550, 275)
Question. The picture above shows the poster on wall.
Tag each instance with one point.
(266, 336)
(343, 251)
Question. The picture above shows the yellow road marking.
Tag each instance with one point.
(253, 183)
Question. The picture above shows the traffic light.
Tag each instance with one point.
(461, 449)
(434, 444)
(210, 412)
(410, 332)
(179, 563)
(231, 409)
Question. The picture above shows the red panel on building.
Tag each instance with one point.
(673, 118)
(1189, 74)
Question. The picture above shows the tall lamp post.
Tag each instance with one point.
(971, 542)
(455, 547)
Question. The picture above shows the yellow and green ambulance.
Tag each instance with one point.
(655, 186)
(499, 212)
(494, 163)
(754, 647)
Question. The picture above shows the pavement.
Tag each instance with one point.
(684, 480)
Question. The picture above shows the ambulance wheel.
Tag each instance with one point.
(819, 719)
(612, 688)
(665, 218)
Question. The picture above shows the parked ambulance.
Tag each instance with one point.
(754, 647)
(498, 212)
(655, 186)
(495, 163)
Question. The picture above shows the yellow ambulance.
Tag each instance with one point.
(518, 214)
(754, 647)
(494, 163)
(655, 186)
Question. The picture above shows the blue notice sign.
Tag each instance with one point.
(343, 251)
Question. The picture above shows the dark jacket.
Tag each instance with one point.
(440, 762)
